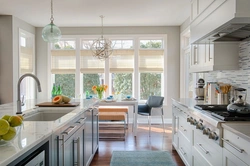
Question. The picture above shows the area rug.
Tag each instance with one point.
(141, 158)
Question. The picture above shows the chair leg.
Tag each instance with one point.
(163, 124)
(149, 123)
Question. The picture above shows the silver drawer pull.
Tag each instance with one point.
(69, 130)
(183, 128)
(182, 151)
(232, 145)
(81, 120)
(202, 148)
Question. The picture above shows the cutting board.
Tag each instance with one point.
(50, 104)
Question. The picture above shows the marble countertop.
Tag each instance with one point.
(33, 132)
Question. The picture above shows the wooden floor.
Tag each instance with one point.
(157, 141)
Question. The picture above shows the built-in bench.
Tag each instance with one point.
(112, 116)
(115, 109)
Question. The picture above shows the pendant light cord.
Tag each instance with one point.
(51, 18)
(102, 25)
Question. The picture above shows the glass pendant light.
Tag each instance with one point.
(51, 33)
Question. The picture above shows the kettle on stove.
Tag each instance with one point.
(238, 104)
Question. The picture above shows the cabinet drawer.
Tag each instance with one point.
(198, 159)
(237, 145)
(209, 149)
(185, 128)
(185, 150)
(230, 159)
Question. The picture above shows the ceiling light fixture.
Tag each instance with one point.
(102, 48)
(51, 33)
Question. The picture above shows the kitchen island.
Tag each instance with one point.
(34, 132)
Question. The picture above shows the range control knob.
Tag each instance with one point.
(213, 135)
(194, 122)
(199, 126)
(190, 119)
(206, 131)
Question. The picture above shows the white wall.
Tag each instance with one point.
(9, 62)
(172, 64)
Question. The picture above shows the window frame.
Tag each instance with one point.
(107, 77)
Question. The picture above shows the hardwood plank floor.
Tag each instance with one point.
(157, 141)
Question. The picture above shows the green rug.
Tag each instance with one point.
(142, 158)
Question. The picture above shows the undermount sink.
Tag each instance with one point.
(46, 114)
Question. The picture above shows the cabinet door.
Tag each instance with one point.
(231, 160)
(202, 5)
(198, 159)
(88, 137)
(95, 130)
(209, 56)
(194, 9)
(70, 151)
(194, 55)
(79, 151)
(175, 123)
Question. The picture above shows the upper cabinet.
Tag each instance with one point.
(198, 6)
(215, 56)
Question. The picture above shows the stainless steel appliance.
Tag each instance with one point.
(221, 112)
(199, 90)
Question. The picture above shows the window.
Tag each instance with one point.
(26, 63)
(150, 68)
(121, 67)
(63, 65)
(135, 67)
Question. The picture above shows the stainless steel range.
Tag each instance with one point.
(209, 119)
(221, 112)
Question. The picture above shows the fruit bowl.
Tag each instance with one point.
(10, 127)
(6, 139)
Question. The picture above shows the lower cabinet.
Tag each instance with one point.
(91, 138)
(76, 142)
(230, 159)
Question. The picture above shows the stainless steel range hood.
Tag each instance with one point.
(228, 22)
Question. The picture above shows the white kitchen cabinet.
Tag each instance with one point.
(230, 159)
(182, 133)
(236, 149)
(213, 57)
(198, 6)
(207, 148)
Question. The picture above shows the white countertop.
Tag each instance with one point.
(33, 132)
(242, 129)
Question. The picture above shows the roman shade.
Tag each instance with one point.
(26, 59)
(90, 64)
(63, 61)
(122, 61)
(151, 61)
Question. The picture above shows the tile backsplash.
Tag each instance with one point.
(237, 78)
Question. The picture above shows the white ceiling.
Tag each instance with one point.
(76, 13)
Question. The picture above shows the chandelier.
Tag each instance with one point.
(102, 48)
(51, 33)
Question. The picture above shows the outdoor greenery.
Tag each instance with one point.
(122, 83)
(150, 85)
(67, 83)
(90, 80)
(151, 44)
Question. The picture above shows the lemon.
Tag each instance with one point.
(4, 126)
(6, 117)
(10, 134)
